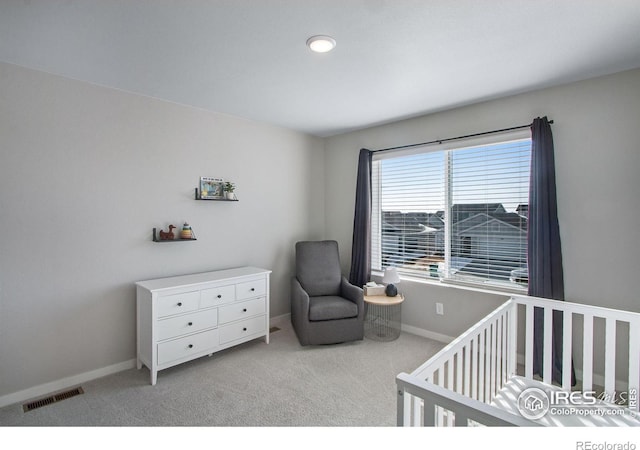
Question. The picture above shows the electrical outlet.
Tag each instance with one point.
(440, 309)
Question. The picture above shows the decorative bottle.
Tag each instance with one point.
(186, 233)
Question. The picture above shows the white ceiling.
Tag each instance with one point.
(394, 58)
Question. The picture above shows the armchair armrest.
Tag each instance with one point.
(299, 300)
(353, 293)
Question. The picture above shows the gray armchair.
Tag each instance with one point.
(325, 307)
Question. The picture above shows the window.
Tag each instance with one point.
(456, 212)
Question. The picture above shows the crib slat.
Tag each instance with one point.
(417, 413)
(438, 410)
(450, 386)
(494, 361)
(459, 371)
(634, 365)
(406, 400)
(474, 369)
(512, 341)
(587, 353)
(610, 358)
(505, 350)
(467, 370)
(450, 369)
(499, 356)
(567, 342)
(481, 351)
(547, 352)
(528, 353)
(487, 365)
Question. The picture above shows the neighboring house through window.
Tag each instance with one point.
(455, 211)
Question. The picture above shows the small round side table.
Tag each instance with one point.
(382, 322)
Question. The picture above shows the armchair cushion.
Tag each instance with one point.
(318, 267)
(331, 307)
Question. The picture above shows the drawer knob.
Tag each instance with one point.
(179, 303)
(244, 310)
(190, 323)
(253, 289)
(190, 345)
(219, 296)
(244, 329)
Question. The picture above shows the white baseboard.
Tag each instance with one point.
(64, 383)
(427, 334)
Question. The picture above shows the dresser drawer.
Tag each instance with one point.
(178, 303)
(218, 295)
(251, 289)
(242, 310)
(187, 323)
(186, 346)
(238, 330)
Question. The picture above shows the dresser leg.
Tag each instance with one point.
(139, 364)
(154, 377)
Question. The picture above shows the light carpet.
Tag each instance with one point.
(254, 384)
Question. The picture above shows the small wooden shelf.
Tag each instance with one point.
(197, 197)
(178, 239)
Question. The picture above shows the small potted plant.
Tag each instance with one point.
(229, 187)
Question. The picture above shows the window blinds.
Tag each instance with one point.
(456, 213)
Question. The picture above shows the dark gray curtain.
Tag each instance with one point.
(361, 243)
(546, 277)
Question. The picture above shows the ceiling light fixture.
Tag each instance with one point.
(321, 44)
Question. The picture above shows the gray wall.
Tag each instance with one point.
(597, 143)
(86, 172)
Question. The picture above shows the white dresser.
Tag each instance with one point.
(185, 317)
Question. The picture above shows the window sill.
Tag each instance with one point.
(457, 285)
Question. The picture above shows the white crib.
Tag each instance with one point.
(478, 378)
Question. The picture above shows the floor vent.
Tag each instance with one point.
(51, 399)
(273, 329)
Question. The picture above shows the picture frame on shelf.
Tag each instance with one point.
(211, 188)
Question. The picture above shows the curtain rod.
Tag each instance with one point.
(440, 141)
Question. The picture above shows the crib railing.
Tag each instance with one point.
(457, 385)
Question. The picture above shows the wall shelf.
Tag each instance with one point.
(197, 197)
(156, 237)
